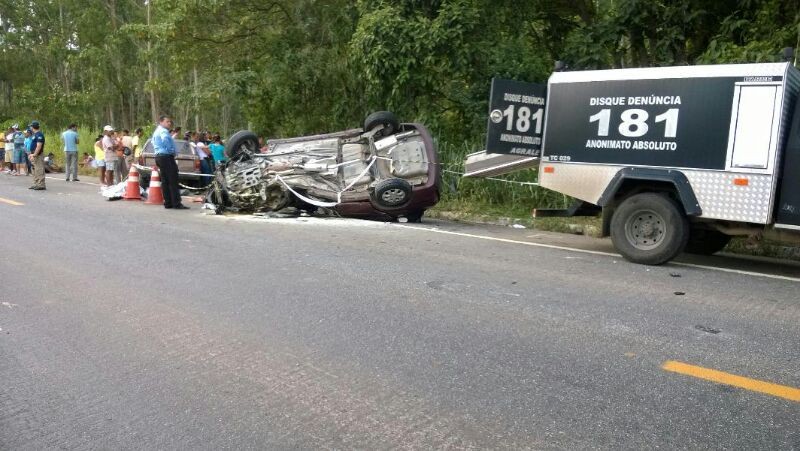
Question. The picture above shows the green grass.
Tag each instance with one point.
(54, 143)
(498, 214)
(511, 197)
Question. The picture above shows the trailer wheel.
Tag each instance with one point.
(705, 241)
(649, 228)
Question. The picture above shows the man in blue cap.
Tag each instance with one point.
(37, 157)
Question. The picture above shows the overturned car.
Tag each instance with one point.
(385, 170)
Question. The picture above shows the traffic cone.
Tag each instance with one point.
(154, 194)
(132, 187)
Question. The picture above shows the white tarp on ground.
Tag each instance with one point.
(115, 192)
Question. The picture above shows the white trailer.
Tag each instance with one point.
(674, 158)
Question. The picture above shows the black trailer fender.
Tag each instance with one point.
(641, 176)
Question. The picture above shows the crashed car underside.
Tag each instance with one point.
(385, 170)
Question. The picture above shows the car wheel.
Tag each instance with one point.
(705, 241)
(387, 119)
(391, 193)
(649, 228)
(243, 143)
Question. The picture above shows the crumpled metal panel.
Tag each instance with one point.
(720, 198)
(322, 147)
(352, 152)
(409, 159)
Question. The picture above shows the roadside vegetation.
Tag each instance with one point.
(294, 67)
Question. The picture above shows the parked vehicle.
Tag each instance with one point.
(188, 163)
(385, 170)
(674, 158)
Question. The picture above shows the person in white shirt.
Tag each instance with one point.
(203, 152)
(110, 152)
(9, 153)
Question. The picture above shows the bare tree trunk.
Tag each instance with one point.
(196, 107)
(132, 110)
(123, 112)
(226, 118)
(64, 63)
(152, 75)
(184, 117)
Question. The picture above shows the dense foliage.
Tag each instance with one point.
(287, 67)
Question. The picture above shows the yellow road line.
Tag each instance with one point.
(781, 391)
(11, 202)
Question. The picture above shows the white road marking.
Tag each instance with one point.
(84, 183)
(309, 221)
(607, 254)
(345, 222)
(739, 271)
(506, 240)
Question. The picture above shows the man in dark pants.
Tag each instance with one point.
(37, 157)
(164, 148)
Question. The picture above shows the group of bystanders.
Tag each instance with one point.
(23, 153)
(114, 152)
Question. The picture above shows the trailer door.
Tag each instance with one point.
(755, 127)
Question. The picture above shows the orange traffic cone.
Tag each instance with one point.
(132, 187)
(154, 194)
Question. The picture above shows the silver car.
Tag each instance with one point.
(385, 170)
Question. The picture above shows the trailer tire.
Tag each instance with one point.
(649, 228)
(705, 241)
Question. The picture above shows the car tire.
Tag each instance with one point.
(243, 143)
(705, 241)
(387, 119)
(649, 228)
(391, 193)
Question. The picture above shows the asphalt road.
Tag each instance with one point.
(127, 326)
